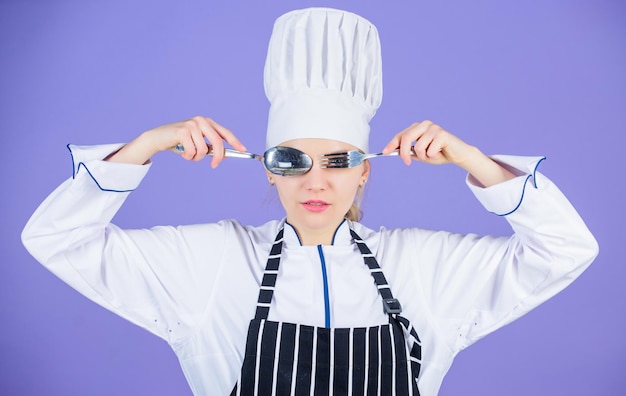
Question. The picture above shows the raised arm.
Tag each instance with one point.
(475, 284)
(144, 275)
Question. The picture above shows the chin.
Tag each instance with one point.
(320, 220)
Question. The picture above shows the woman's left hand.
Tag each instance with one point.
(432, 144)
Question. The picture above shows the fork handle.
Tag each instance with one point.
(394, 153)
(397, 152)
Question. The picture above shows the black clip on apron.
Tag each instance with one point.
(293, 359)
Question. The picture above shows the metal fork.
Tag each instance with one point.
(179, 148)
(350, 159)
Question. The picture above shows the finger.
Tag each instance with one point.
(405, 148)
(425, 139)
(202, 149)
(393, 144)
(183, 133)
(227, 135)
(215, 139)
(410, 148)
(197, 135)
(438, 143)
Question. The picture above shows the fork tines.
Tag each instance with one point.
(338, 160)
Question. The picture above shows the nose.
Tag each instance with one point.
(316, 179)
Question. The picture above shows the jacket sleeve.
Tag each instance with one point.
(477, 284)
(146, 276)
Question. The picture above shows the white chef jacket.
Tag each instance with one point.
(196, 286)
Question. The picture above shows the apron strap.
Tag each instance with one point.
(268, 283)
(391, 305)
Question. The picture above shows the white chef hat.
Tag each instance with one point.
(323, 77)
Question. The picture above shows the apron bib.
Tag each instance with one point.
(294, 359)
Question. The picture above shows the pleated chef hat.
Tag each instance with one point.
(323, 77)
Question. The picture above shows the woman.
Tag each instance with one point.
(315, 301)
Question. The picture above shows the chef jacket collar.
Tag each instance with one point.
(341, 237)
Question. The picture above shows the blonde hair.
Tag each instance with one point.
(355, 213)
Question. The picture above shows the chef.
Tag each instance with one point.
(315, 302)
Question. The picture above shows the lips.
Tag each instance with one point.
(315, 205)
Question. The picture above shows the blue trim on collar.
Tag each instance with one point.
(332, 242)
(294, 231)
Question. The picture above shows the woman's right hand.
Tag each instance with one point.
(193, 134)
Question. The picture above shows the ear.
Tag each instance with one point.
(366, 172)
(270, 179)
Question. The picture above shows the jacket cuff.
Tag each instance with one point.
(108, 176)
(504, 198)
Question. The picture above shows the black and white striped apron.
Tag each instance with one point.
(294, 359)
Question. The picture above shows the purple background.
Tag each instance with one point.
(537, 78)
